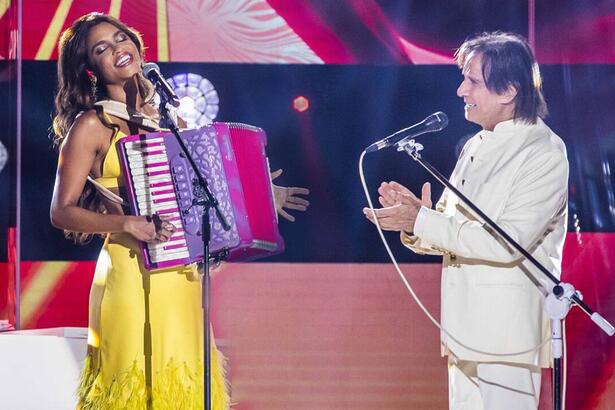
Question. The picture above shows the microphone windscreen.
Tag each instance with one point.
(149, 67)
(436, 121)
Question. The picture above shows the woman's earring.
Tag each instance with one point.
(93, 81)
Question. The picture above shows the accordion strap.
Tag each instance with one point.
(107, 193)
(121, 110)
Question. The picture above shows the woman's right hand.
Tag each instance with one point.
(149, 229)
(140, 228)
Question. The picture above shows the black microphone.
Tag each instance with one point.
(435, 122)
(152, 72)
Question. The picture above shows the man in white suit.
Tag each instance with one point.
(515, 169)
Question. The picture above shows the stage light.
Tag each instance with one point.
(4, 156)
(301, 104)
(199, 101)
(187, 104)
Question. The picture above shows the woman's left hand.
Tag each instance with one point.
(285, 197)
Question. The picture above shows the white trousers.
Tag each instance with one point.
(492, 386)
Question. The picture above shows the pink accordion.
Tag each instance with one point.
(231, 157)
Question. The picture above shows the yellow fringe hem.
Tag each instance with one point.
(175, 387)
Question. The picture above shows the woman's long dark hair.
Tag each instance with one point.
(75, 94)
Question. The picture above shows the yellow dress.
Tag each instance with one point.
(145, 338)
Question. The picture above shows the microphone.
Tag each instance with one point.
(152, 72)
(435, 122)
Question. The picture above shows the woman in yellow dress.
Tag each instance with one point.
(145, 328)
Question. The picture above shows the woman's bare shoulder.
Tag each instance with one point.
(88, 128)
(88, 120)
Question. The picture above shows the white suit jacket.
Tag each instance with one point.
(491, 302)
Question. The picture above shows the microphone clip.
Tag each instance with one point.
(409, 145)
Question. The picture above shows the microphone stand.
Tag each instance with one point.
(559, 299)
(207, 200)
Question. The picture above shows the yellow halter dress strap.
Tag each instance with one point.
(111, 176)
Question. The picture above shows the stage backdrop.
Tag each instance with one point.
(328, 324)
